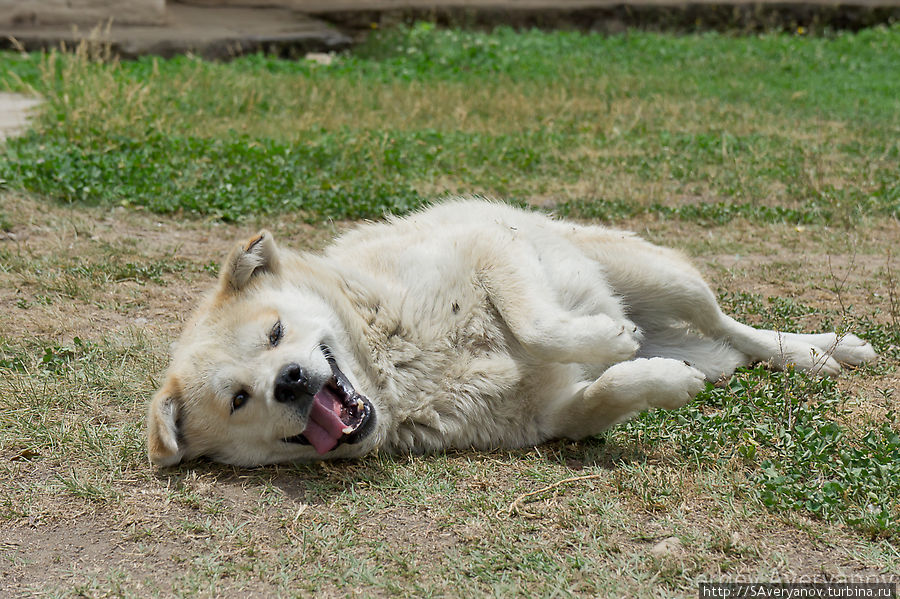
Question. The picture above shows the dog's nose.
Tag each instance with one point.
(292, 384)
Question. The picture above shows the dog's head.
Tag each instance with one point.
(263, 372)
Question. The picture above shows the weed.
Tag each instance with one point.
(9, 360)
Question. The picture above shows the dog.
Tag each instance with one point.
(470, 324)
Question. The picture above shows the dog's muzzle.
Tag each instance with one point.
(338, 414)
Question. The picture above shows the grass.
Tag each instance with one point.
(418, 112)
(783, 432)
(758, 154)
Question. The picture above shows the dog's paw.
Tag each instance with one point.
(852, 350)
(681, 383)
(599, 339)
(805, 357)
(624, 343)
(654, 382)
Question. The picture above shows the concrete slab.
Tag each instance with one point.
(209, 32)
(15, 110)
(219, 29)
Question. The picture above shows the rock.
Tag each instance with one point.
(666, 547)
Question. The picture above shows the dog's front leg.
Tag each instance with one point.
(622, 391)
(547, 331)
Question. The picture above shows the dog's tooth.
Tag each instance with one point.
(359, 404)
(347, 430)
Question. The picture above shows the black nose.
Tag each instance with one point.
(292, 384)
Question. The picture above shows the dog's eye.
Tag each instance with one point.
(275, 334)
(239, 400)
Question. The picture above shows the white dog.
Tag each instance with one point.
(470, 324)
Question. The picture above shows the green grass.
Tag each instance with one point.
(781, 432)
(769, 128)
(42, 383)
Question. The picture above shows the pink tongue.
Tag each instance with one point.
(325, 426)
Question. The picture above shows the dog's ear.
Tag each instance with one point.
(165, 444)
(256, 255)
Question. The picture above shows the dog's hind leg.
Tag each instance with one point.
(714, 357)
(846, 348)
(623, 390)
(819, 353)
(686, 301)
(816, 353)
(663, 291)
(717, 355)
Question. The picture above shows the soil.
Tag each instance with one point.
(71, 540)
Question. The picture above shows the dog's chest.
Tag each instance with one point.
(443, 360)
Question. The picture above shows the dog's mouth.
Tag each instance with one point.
(338, 415)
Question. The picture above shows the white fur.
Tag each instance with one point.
(470, 324)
